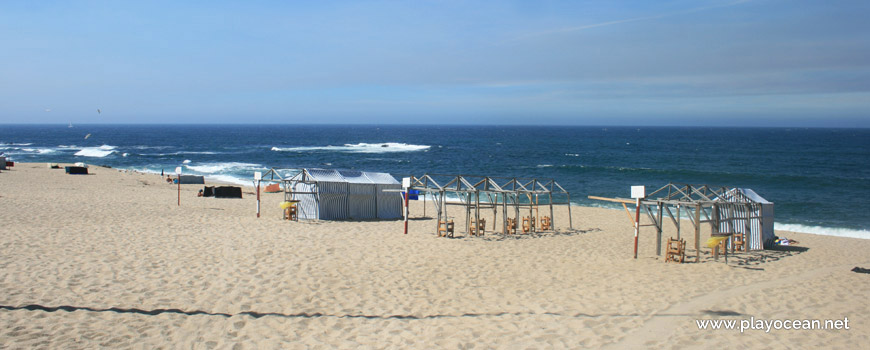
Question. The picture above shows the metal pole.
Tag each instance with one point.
(179, 190)
(258, 198)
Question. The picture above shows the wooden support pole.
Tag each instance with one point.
(552, 217)
(733, 210)
(477, 228)
(442, 210)
(659, 226)
(504, 228)
(747, 236)
(467, 214)
(628, 212)
(570, 219)
(714, 229)
(697, 224)
(531, 216)
(679, 222)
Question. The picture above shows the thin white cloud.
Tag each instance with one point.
(627, 20)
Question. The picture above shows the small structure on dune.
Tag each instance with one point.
(190, 179)
(327, 194)
(476, 195)
(739, 216)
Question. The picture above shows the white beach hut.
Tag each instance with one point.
(327, 194)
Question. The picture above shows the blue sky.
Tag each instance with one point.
(729, 63)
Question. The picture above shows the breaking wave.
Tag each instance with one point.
(96, 152)
(211, 168)
(229, 180)
(826, 231)
(386, 147)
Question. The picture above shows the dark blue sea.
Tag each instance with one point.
(819, 179)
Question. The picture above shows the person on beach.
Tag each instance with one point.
(168, 179)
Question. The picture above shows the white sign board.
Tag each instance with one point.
(406, 182)
(178, 170)
(638, 191)
(258, 175)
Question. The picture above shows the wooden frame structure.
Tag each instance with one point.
(518, 193)
(724, 208)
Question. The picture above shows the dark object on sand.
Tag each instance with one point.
(228, 192)
(860, 270)
(76, 170)
(222, 192)
(191, 180)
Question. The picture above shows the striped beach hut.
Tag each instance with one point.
(327, 194)
(745, 211)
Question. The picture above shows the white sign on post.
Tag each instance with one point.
(406, 182)
(638, 191)
(178, 170)
(258, 175)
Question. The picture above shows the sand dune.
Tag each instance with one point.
(109, 259)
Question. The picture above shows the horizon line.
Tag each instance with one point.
(444, 124)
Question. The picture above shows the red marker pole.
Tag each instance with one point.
(406, 211)
(178, 179)
(636, 226)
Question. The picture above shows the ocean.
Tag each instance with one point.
(819, 179)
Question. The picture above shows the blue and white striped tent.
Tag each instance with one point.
(755, 214)
(327, 194)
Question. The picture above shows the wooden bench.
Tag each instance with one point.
(290, 214)
(676, 250)
(511, 226)
(477, 229)
(528, 224)
(546, 223)
(723, 245)
(739, 242)
(445, 228)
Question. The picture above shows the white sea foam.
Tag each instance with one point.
(96, 152)
(386, 147)
(544, 165)
(176, 153)
(826, 231)
(211, 168)
(572, 154)
(229, 180)
(186, 161)
(38, 150)
(16, 144)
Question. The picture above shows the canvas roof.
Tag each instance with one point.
(349, 176)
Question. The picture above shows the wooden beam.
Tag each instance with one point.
(628, 212)
(616, 200)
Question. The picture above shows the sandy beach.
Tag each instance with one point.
(110, 260)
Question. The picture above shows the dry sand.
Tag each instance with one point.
(109, 260)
